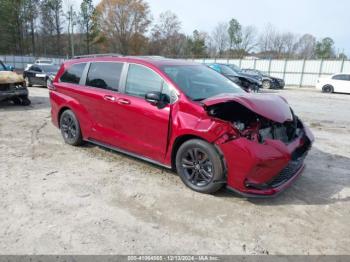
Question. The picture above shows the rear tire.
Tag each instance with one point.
(328, 89)
(70, 129)
(200, 166)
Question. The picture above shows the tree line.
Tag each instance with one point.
(46, 28)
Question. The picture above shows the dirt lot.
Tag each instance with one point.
(57, 199)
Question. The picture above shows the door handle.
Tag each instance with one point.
(123, 101)
(109, 98)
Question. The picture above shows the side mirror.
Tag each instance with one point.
(153, 97)
(157, 99)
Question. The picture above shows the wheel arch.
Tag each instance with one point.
(62, 110)
(180, 140)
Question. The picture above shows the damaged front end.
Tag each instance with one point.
(267, 145)
(13, 87)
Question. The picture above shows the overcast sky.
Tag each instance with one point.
(321, 18)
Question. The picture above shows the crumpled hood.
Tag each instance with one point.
(8, 77)
(272, 107)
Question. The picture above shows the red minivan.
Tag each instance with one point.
(183, 116)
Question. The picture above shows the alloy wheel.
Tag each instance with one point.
(68, 127)
(197, 167)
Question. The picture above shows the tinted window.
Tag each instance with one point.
(340, 77)
(104, 75)
(200, 82)
(73, 74)
(142, 80)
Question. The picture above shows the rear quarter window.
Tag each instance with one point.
(73, 74)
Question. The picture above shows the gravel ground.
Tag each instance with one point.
(57, 199)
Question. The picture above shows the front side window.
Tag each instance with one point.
(73, 74)
(105, 75)
(142, 80)
(199, 82)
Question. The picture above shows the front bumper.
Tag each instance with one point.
(255, 169)
(9, 94)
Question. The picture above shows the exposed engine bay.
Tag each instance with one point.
(254, 126)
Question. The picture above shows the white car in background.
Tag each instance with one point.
(338, 83)
(40, 61)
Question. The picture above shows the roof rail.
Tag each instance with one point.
(97, 55)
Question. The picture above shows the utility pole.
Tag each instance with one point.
(72, 33)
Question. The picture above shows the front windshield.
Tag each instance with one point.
(49, 68)
(199, 82)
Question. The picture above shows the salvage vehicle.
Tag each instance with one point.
(182, 116)
(249, 84)
(13, 88)
(268, 82)
(40, 74)
(338, 83)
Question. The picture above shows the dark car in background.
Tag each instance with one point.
(40, 74)
(268, 82)
(248, 83)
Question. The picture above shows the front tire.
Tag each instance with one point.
(328, 89)
(70, 129)
(200, 166)
(266, 84)
(21, 101)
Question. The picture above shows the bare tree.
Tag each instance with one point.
(276, 44)
(305, 47)
(166, 35)
(289, 41)
(249, 39)
(123, 21)
(221, 38)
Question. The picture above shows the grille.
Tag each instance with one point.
(10, 87)
(288, 172)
